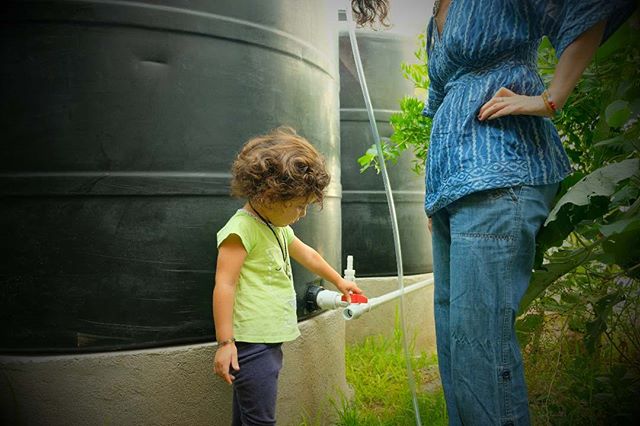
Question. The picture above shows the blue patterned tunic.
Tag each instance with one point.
(487, 44)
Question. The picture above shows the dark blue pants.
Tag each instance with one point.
(255, 388)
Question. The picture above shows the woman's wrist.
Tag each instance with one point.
(550, 104)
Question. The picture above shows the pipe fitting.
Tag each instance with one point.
(360, 305)
(355, 310)
(327, 299)
(318, 297)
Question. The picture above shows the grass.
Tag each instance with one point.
(569, 381)
(376, 370)
(567, 386)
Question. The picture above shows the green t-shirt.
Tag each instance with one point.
(265, 299)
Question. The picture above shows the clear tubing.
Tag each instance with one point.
(390, 202)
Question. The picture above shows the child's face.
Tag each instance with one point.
(285, 213)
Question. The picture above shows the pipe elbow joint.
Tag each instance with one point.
(355, 310)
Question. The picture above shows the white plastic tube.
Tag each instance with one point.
(392, 209)
(355, 311)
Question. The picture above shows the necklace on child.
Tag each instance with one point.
(284, 251)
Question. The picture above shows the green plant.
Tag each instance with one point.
(376, 371)
(595, 225)
(600, 201)
(411, 130)
(582, 349)
(581, 306)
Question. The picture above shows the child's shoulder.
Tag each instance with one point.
(240, 218)
(241, 224)
(241, 221)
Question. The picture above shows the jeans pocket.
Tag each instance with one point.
(489, 214)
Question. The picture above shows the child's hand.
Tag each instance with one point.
(347, 287)
(225, 356)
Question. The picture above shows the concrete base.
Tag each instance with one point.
(176, 385)
(168, 386)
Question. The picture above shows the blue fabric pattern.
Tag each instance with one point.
(485, 45)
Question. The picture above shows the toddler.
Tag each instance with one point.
(254, 301)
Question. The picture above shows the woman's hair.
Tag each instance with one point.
(279, 166)
(366, 11)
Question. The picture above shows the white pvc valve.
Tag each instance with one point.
(328, 299)
(350, 273)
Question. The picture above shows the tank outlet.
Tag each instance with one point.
(350, 273)
(320, 298)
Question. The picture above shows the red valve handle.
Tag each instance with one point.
(356, 298)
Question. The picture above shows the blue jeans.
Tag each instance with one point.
(255, 388)
(483, 249)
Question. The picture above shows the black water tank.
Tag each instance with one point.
(120, 121)
(365, 214)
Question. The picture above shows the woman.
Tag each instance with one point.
(493, 169)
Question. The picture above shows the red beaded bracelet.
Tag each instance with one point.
(551, 106)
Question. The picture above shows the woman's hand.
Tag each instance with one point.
(347, 288)
(505, 102)
(226, 356)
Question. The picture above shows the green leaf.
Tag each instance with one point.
(560, 264)
(613, 44)
(529, 323)
(611, 142)
(527, 326)
(625, 249)
(588, 199)
(368, 159)
(569, 298)
(621, 226)
(617, 113)
(603, 308)
(635, 106)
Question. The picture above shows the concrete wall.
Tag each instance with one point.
(176, 385)
(382, 319)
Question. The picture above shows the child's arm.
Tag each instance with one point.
(231, 255)
(311, 259)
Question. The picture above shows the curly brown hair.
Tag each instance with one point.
(279, 166)
(366, 11)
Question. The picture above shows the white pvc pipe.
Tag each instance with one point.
(355, 310)
(327, 299)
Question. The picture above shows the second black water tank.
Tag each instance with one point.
(366, 226)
